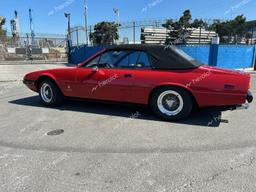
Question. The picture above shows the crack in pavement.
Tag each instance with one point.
(10, 81)
(191, 184)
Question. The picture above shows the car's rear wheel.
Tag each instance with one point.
(49, 93)
(171, 103)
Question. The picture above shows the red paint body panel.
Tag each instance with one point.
(210, 86)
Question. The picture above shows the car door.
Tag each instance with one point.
(132, 72)
(98, 79)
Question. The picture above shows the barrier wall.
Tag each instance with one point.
(235, 56)
(82, 53)
(228, 56)
(200, 53)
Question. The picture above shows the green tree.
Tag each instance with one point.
(197, 23)
(105, 33)
(179, 29)
(2, 31)
(238, 26)
(232, 31)
(224, 30)
(185, 19)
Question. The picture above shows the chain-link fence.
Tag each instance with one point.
(129, 32)
(42, 47)
(40, 40)
(153, 32)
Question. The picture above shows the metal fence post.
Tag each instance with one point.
(214, 49)
(77, 40)
(90, 35)
(252, 35)
(253, 58)
(200, 34)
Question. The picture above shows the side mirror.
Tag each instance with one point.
(95, 69)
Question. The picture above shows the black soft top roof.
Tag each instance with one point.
(162, 57)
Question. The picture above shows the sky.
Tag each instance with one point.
(48, 15)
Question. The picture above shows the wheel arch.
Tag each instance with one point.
(187, 89)
(43, 77)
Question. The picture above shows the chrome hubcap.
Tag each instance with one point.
(46, 93)
(170, 103)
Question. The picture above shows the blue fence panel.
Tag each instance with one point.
(82, 53)
(198, 52)
(235, 56)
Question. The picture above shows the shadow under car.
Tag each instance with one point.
(209, 117)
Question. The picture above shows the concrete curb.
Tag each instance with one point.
(35, 62)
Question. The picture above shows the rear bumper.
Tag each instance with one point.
(241, 107)
(249, 97)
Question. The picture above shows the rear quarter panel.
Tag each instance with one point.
(209, 86)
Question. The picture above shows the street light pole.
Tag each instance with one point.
(117, 12)
(86, 23)
(67, 15)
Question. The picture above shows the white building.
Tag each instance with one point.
(153, 35)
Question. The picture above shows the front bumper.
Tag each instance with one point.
(30, 84)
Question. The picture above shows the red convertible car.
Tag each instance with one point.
(163, 77)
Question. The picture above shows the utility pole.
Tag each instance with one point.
(117, 12)
(134, 26)
(67, 15)
(32, 33)
(86, 22)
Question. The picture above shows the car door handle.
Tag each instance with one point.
(127, 75)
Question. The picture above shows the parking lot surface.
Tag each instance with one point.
(105, 147)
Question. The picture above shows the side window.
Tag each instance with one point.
(111, 57)
(121, 59)
(123, 63)
(143, 61)
(107, 59)
(134, 59)
(93, 62)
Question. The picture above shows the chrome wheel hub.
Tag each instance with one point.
(46, 93)
(170, 103)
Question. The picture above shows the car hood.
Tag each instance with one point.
(34, 75)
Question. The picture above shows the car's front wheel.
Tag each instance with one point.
(50, 93)
(171, 103)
